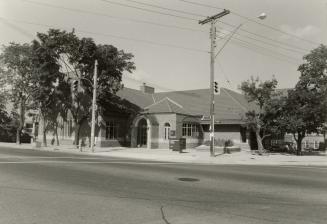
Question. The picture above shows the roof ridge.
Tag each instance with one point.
(170, 110)
(235, 100)
(174, 102)
(154, 99)
(155, 103)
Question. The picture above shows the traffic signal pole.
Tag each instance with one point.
(213, 36)
(212, 96)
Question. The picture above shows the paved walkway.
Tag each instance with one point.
(189, 155)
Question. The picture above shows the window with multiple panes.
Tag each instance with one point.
(111, 130)
(190, 129)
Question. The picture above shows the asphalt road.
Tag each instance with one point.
(48, 187)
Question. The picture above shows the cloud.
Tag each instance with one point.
(306, 32)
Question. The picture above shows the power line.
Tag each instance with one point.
(113, 36)
(252, 20)
(255, 45)
(267, 49)
(111, 17)
(264, 37)
(224, 74)
(149, 10)
(165, 8)
(242, 29)
(145, 41)
(264, 52)
(264, 42)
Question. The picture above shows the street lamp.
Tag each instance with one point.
(212, 20)
(262, 16)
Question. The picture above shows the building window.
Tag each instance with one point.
(111, 130)
(190, 129)
(167, 131)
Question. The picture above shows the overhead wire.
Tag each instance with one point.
(264, 52)
(252, 20)
(296, 49)
(223, 30)
(264, 37)
(165, 8)
(148, 10)
(113, 36)
(112, 17)
(161, 44)
(228, 24)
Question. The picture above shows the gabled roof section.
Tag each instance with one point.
(166, 105)
(136, 97)
(229, 105)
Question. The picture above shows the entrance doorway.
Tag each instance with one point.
(142, 133)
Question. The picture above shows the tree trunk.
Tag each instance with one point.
(76, 130)
(56, 134)
(21, 121)
(299, 139)
(18, 136)
(44, 133)
(299, 146)
(325, 143)
(259, 141)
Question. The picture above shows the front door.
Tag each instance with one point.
(142, 133)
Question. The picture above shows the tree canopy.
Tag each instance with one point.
(261, 94)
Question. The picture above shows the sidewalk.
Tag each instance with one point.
(188, 156)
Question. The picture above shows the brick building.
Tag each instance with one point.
(165, 115)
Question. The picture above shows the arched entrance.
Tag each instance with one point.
(142, 133)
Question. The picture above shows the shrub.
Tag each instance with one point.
(229, 143)
(220, 142)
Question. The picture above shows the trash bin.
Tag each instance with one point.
(174, 144)
(182, 144)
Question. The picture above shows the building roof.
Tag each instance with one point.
(166, 105)
(229, 105)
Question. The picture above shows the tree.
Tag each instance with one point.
(16, 76)
(8, 125)
(260, 93)
(77, 56)
(51, 86)
(306, 104)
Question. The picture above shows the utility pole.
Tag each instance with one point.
(94, 103)
(212, 20)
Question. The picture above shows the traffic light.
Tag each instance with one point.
(216, 87)
(75, 86)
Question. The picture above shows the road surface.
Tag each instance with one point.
(49, 187)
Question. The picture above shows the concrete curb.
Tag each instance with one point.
(191, 156)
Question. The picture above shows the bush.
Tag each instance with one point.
(218, 142)
(229, 143)
(322, 146)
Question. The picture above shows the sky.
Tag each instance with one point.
(170, 47)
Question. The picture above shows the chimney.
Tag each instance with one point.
(146, 89)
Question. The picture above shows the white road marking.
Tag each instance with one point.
(48, 157)
(306, 167)
(86, 162)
